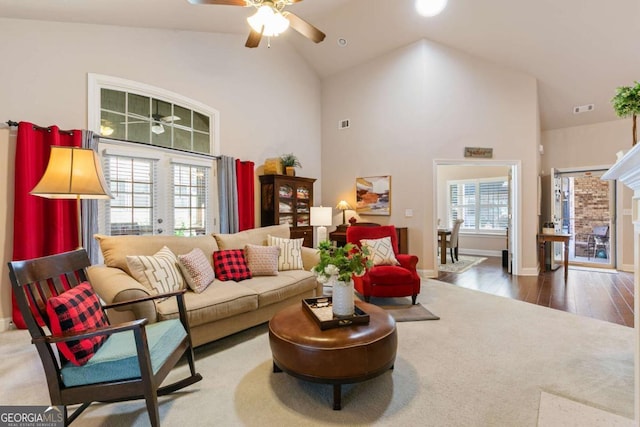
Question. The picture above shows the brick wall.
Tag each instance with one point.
(591, 208)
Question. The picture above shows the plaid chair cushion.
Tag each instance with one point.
(75, 310)
(231, 265)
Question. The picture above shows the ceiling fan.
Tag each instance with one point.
(270, 19)
(157, 121)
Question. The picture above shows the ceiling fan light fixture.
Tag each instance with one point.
(106, 130)
(429, 8)
(270, 19)
(157, 128)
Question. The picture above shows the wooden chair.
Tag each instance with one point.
(142, 365)
(452, 241)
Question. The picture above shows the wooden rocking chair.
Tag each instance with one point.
(146, 353)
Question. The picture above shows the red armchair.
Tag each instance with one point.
(386, 280)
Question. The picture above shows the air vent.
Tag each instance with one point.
(583, 108)
(344, 124)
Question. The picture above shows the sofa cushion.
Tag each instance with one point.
(196, 269)
(158, 272)
(220, 300)
(231, 265)
(380, 251)
(273, 289)
(290, 257)
(76, 310)
(116, 248)
(256, 236)
(262, 260)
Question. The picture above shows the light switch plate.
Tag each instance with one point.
(408, 213)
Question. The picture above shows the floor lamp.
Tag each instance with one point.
(73, 173)
(321, 217)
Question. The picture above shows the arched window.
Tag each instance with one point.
(159, 151)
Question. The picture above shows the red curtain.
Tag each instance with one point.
(40, 226)
(246, 195)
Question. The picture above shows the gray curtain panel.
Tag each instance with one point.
(228, 195)
(90, 210)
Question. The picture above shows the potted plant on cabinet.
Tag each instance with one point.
(290, 162)
(626, 103)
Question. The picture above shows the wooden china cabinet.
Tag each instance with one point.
(288, 200)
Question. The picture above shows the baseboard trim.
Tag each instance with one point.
(428, 274)
(6, 324)
(627, 268)
(529, 272)
(481, 252)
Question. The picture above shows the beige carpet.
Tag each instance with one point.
(484, 363)
(464, 263)
(557, 411)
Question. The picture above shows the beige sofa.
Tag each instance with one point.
(223, 308)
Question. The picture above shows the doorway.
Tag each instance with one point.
(587, 212)
(489, 242)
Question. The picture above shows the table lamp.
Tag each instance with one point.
(321, 217)
(73, 173)
(343, 206)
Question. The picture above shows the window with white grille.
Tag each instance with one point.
(483, 204)
(159, 159)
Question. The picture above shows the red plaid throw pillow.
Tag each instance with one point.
(75, 310)
(230, 264)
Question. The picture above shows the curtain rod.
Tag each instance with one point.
(36, 127)
(126, 141)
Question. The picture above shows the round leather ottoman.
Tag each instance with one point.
(337, 356)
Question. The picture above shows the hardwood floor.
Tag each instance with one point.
(601, 295)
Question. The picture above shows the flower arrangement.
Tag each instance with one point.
(341, 263)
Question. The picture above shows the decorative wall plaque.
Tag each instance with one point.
(484, 153)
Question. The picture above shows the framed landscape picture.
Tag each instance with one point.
(373, 195)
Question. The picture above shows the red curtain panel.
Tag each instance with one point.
(40, 226)
(246, 194)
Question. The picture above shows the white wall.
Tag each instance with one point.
(420, 103)
(596, 145)
(269, 99)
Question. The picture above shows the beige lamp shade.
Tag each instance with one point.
(343, 205)
(321, 216)
(72, 173)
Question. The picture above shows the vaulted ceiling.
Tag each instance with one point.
(578, 50)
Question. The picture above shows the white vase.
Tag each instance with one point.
(343, 298)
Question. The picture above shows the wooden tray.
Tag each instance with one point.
(321, 311)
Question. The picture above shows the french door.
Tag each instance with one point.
(584, 206)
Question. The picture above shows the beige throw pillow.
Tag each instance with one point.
(380, 251)
(197, 270)
(158, 272)
(290, 257)
(262, 260)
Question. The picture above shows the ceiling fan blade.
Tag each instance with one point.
(304, 28)
(254, 39)
(223, 2)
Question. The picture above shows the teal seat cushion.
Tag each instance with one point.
(117, 358)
